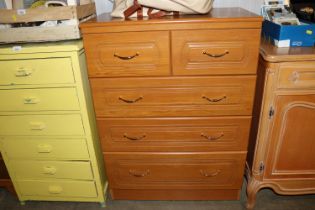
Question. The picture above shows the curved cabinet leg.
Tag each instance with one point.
(253, 187)
(103, 204)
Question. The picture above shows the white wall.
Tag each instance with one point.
(251, 5)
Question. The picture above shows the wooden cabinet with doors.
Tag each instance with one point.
(173, 99)
(282, 157)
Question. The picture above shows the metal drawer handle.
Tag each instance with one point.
(212, 138)
(49, 170)
(130, 101)
(134, 138)
(215, 55)
(214, 100)
(39, 126)
(204, 173)
(55, 189)
(30, 100)
(295, 76)
(23, 72)
(126, 57)
(44, 148)
(139, 173)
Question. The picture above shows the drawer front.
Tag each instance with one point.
(47, 99)
(174, 134)
(128, 54)
(297, 75)
(51, 169)
(175, 171)
(36, 71)
(40, 148)
(57, 188)
(65, 125)
(215, 52)
(173, 97)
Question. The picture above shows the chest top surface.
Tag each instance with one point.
(216, 18)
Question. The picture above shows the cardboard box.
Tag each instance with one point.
(289, 35)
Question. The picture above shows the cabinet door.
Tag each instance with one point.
(292, 139)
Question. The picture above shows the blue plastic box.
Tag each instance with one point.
(289, 35)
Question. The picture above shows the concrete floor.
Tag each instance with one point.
(266, 200)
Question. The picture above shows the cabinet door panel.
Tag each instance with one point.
(292, 145)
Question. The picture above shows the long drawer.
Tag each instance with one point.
(36, 71)
(43, 148)
(174, 134)
(175, 171)
(45, 99)
(65, 125)
(30, 169)
(161, 97)
(57, 188)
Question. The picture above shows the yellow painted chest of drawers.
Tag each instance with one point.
(173, 99)
(48, 136)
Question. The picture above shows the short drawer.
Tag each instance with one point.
(175, 171)
(215, 52)
(36, 71)
(297, 75)
(42, 148)
(57, 188)
(128, 54)
(65, 125)
(173, 96)
(46, 99)
(31, 169)
(174, 134)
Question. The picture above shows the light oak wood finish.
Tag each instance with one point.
(283, 156)
(173, 98)
(174, 134)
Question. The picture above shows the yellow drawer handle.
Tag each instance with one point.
(39, 126)
(128, 101)
(55, 189)
(132, 138)
(139, 173)
(206, 174)
(44, 148)
(212, 138)
(126, 57)
(215, 55)
(30, 100)
(49, 170)
(23, 72)
(214, 100)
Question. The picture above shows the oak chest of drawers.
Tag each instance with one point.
(173, 99)
(48, 135)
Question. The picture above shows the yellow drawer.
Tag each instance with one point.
(65, 125)
(39, 99)
(36, 71)
(51, 169)
(57, 188)
(45, 148)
